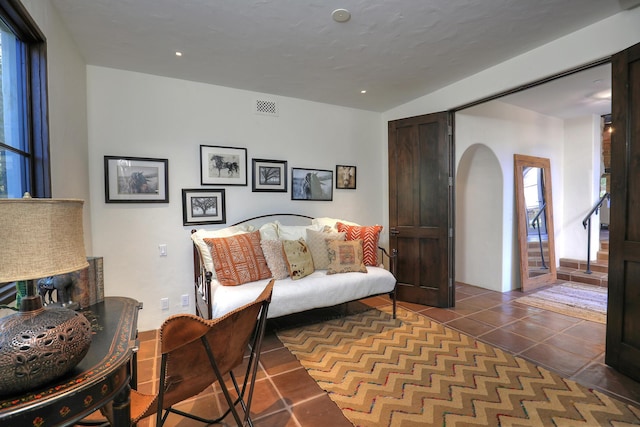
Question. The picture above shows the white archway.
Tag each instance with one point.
(479, 219)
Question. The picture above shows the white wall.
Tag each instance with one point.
(504, 130)
(479, 224)
(133, 114)
(581, 175)
(67, 110)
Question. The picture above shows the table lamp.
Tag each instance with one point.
(40, 238)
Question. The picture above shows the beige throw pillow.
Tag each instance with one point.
(298, 258)
(345, 257)
(274, 255)
(317, 243)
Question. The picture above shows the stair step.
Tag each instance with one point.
(603, 256)
(579, 264)
(595, 278)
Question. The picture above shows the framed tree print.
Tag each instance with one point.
(223, 165)
(203, 206)
(269, 175)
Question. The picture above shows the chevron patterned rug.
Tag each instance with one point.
(413, 371)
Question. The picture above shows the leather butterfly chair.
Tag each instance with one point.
(197, 353)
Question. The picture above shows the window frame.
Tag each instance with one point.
(17, 18)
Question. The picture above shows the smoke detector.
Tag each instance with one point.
(341, 15)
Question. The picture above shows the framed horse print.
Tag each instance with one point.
(311, 184)
(136, 180)
(346, 177)
(223, 165)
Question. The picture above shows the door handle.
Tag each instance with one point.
(394, 232)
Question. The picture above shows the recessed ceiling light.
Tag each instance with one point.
(178, 53)
(341, 15)
(363, 91)
(604, 94)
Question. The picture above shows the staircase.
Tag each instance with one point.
(574, 270)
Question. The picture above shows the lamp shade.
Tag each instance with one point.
(40, 238)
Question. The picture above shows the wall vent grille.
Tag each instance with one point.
(266, 107)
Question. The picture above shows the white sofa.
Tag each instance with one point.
(316, 290)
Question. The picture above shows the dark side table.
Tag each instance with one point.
(105, 375)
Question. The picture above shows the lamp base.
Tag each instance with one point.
(40, 344)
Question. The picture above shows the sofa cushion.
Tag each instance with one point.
(298, 258)
(317, 243)
(269, 231)
(274, 255)
(295, 232)
(369, 236)
(238, 259)
(345, 256)
(199, 236)
(330, 222)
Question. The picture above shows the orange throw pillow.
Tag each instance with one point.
(238, 259)
(369, 234)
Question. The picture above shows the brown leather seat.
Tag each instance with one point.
(197, 352)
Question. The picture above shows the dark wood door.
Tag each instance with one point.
(421, 207)
(623, 320)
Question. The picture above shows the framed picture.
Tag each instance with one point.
(135, 180)
(203, 206)
(269, 175)
(223, 165)
(311, 184)
(346, 177)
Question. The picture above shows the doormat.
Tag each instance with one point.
(414, 371)
(586, 302)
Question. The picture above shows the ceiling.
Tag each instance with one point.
(395, 50)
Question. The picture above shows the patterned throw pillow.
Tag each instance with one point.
(369, 235)
(238, 259)
(274, 255)
(317, 243)
(298, 258)
(345, 256)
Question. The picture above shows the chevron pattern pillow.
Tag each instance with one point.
(369, 234)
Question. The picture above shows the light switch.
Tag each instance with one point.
(163, 249)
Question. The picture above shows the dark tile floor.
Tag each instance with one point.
(287, 396)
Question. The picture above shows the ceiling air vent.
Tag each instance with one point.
(266, 107)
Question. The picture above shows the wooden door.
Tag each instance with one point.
(623, 319)
(421, 207)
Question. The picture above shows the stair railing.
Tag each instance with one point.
(586, 223)
(535, 223)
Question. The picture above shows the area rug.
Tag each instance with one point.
(413, 371)
(587, 302)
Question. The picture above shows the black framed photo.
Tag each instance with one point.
(269, 175)
(136, 180)
(203, 206)
(223, 165)
(346, 177)
(311, 184)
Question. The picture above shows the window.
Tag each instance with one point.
(24, 137)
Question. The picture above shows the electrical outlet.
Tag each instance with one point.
(164, 303)
(185, 300)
